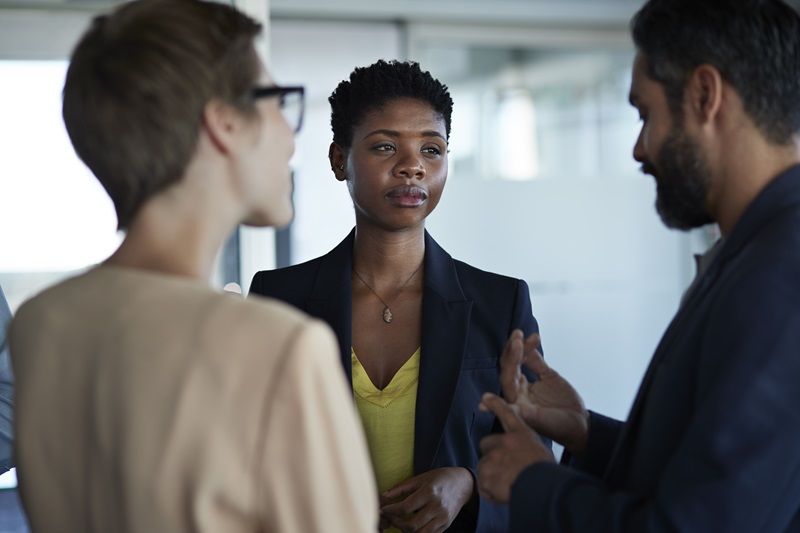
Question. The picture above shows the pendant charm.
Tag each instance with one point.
(388, 317)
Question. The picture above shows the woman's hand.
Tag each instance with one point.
(429, 502)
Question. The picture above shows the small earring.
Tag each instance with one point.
(341, 167)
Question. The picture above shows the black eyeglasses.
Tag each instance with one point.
(292, 102)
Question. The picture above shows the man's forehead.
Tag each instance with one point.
(639, 67)
(638, 76)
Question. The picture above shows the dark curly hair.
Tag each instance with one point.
(373, 86)
(755, 45)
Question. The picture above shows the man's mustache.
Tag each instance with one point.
(648, 168)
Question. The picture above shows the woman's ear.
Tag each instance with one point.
(222, 125)
(337, 158)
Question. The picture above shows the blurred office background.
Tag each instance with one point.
(542, 184)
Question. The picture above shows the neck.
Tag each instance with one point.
(749, 166)
(181, 230)
(387, 259)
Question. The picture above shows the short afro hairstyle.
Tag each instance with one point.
(371, 87)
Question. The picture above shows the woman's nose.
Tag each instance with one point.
(409, 167)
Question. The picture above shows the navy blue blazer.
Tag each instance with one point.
(712, 442)
(467, 316)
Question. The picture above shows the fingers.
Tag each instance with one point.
(493, 482)
(503, 411)
(411, 514)
(532, 357)
(401, 490)
(420, 522)
(490, 442)
(510, 362)
(431, 527)
(438, 497)
(533, 340)
(530, 413)
(504, 456)
(401, 509)
(404, 498)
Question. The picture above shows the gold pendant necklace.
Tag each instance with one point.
(387, 315)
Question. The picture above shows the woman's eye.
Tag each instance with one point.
(383, 148)
(433, 150)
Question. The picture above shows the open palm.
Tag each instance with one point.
(551, 406)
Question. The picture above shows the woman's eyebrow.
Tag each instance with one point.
(394, 133)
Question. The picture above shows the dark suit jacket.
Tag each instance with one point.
(712, 442)
(467, 316)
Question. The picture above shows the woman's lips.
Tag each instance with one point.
(407, 196)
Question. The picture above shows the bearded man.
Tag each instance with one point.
(712, 442)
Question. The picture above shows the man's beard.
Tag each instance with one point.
(682, 181)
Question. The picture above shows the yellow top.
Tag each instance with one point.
(388, 418)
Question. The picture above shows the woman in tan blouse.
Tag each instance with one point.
(147, 402)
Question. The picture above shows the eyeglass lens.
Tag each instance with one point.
(292, 109)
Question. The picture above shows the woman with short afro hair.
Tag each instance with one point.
(420, 333)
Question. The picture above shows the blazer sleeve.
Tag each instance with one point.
(523, 311)
(290, 285)
(604, 434)
(315, 474)
(256, 285)
(736, 468)
(523, 319)
(488, 516)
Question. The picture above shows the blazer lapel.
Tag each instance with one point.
(617, 466)
(331, 297)
(445, 322)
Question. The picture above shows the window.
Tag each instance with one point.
(55, 218)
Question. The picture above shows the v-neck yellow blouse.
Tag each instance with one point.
(388, 418)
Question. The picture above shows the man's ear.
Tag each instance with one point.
(338, 158)
(222, 124)
(704, 93)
